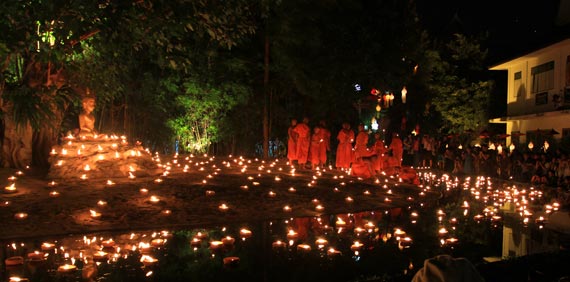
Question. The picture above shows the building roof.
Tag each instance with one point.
(534, 54)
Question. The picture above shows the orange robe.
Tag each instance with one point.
(360, 149)
(380, 151)
(303, 142)
(315, 149)
(397, 149)
(325, 145)
(344, 150)
(292, 145)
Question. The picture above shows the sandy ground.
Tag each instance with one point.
(190, 197)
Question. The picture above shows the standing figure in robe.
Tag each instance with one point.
(344, 152)
(325, 145)
(315, 148)
(397, 148)
(360, 147)
(303, 141)
(380, 151)
(292, 142)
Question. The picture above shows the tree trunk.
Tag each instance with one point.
(17, 143)
(266, 99)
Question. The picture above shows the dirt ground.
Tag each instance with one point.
(190, 195)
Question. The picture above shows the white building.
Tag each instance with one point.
(538, 101)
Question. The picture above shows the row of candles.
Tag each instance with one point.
(96, 250)
(482, 190)
(496, 194)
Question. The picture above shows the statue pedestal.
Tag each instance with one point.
(100, 156)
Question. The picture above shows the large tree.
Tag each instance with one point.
(459, 84)
(123, 51)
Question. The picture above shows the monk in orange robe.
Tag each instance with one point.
(325, 145)
(380, 151)
(344, 150)
(360, 147)
(292, 142)
(397, 149)
(315, 148)
(362, 165)
(303, 141)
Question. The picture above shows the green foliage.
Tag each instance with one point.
(200, 107)
(459, 94)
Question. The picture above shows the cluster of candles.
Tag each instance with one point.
(259, 174)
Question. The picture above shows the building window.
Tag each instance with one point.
(541, 98)
(542, 77)
(518, 86)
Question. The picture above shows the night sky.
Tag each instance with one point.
(515, 27)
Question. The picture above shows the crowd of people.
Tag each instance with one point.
(366, 154)
(306, 146)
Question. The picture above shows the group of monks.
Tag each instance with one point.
(306, 146)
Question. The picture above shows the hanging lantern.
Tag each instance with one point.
(404, 92)
(530, 145)
(512, 147)
(374, 124)
(546, 146)
(378, 108)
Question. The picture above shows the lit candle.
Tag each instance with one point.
(321, 243)
(158, 242)
(215, 245)
(148, 260)
(451, 241)
(287, 208)
(154, 199)
(10, 189)
(21, 215)
(292, 234)
(356, 246)
(36, 256)
(108, 243)
(332, 252)
(196, 242)
(278, 244)
(405, 242)
(94, 214)
(245, 233)
(13, 261)
(47, 246)
(100, 256)
(54, 194)
(201, 235)
(228, 240)
(231, 261)
(303, 247)
(66, 268)
(223, 207)
(210, 193)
